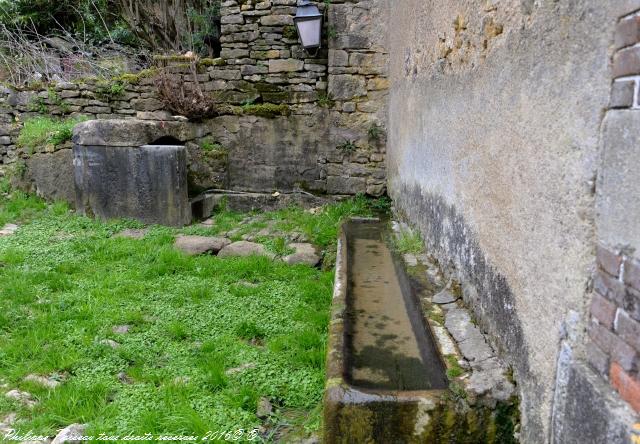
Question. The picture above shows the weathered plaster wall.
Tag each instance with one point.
(494, 118)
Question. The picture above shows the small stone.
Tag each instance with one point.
(488, 378)
(8, 230)
(7, 421)
(121, 329)
(264, 409)
(304, 254)
(194, 245)
(447, 347)
(47, 382)
(410, 259)
(133, 233)
(72, 434)
(208, 223)
(181, 380)
(240, 369)
(444, 297)
(110, 343)
(22, 397)
(244, 249)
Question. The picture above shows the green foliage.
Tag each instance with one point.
(203, 25)
(290, 32)
(249, 330)
(408, 242)
(110, 90)
(41, 131)
(38, 105)
(80, 17)
(375, 132)
(349, 146)
(325, 100)
(213, 149)
(453, 368)
(192, 322)
(268, 110)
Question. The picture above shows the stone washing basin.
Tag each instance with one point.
(385, 375)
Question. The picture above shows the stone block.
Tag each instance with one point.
(622, 94)
(50, 176)
(235, 19)
(338, 57)
(147, 183)
(276, 20)
(346, 185)
(285, 65)
(346, 87)
(617, 212)
(585, 399)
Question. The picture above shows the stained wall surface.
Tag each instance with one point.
(495, 113)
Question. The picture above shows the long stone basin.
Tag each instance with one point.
(384, 372)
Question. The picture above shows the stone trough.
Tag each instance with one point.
(384, 371)
(387, 381)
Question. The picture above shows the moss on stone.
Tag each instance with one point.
(268, 110)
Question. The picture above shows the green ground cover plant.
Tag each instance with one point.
(41, 131)
(66, 282)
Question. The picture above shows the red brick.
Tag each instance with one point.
(628, 329)
(632, 303)
(626, 385)
(628, 32)
(602, 337)
(609, 287)
(608, 260)
(625, 355)
(603, 310)
(626, 62)
(632, 273)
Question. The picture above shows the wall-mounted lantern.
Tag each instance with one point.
(308, 21)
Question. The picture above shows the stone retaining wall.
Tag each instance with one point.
(332, 140)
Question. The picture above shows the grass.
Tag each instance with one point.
(66, 282)
(41, 131)
(453, 368)
(408, 242)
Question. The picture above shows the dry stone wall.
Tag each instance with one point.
(331, 139)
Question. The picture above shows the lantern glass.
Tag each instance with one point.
(310, 31)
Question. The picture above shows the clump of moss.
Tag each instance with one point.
(42, 131)
(453, 368)
(268, 110)
(212, 62)
(110, 90)
(213, 149)
(134, 78)
(289, 32)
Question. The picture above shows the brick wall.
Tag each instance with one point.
(336, 99)
(614, 331)
(626, 63)
(615, 325)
